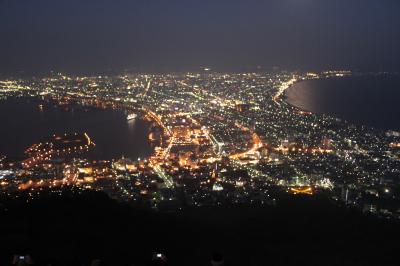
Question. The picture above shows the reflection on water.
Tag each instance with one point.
(131, 124)
(24, 123)
(368, 100)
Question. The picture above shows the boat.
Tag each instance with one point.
(131, 116)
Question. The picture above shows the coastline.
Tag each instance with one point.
(361, 94)
(284, 96)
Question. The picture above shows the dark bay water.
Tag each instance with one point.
(22, 124)
(369, 100)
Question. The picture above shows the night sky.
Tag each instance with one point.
(89, 36)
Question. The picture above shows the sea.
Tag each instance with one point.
(24, 123)
(370, 99)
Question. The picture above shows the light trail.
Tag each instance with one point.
(167, 179)
(147, 88)
(257, 144)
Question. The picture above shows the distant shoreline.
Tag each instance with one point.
(383, 120)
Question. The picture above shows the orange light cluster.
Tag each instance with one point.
(394, 145)
(302, 190)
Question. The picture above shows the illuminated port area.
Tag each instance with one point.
(218, 138)
(56, 147)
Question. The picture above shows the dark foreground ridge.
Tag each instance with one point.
(76, 229)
